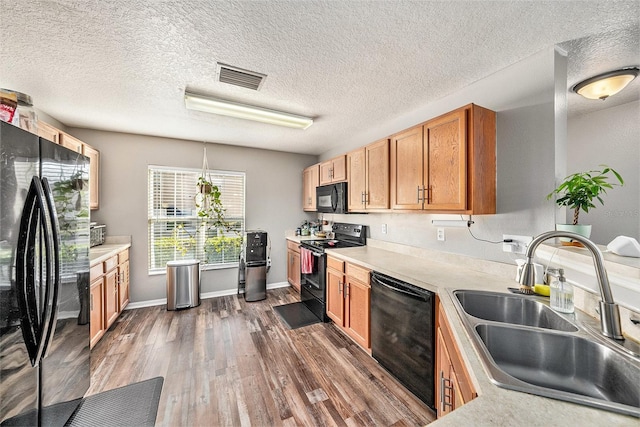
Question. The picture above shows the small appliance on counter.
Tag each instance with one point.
(97, 234)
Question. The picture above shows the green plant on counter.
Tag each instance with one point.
(578, 190)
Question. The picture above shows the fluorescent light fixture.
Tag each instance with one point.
(243, 111)
(452, 222)
(604, 85)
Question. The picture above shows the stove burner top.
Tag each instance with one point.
(329, 243)
(346, 236)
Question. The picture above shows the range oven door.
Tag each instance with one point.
(313, 284)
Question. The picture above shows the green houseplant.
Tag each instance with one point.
(578, 191)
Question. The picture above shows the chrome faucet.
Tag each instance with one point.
(609, 311)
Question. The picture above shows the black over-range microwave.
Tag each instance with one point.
(332, 198)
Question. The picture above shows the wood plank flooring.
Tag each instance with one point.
(233, 363)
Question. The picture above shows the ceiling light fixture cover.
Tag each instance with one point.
(604, 85)
(244, 111)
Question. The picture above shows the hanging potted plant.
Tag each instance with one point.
(208, 199)
(578, 191)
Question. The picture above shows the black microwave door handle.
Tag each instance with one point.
(26, 271)
(53, 256)
(334, 198)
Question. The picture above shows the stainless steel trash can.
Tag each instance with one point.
(183, 284)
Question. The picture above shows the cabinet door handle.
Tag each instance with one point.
(346, 290)
(91, 302)
(446, 400)
(420, 199)
(339, 287)
(362, 198)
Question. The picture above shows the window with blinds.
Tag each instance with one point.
(176, 232)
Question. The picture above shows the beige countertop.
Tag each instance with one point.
(111, 247)
(494, 406)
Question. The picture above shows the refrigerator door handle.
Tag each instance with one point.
(53, 259)
(25, 272)
(47, 304)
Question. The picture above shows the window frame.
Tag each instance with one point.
(153, 219)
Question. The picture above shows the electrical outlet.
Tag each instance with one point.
(384, 228)
(518, 244)
(441, 234)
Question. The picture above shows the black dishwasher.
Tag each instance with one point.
(402, 333)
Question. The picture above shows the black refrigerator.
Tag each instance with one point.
(44, 279)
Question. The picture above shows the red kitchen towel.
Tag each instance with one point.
(306, 261)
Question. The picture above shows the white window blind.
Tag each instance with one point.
(176, 232)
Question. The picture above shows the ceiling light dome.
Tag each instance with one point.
(604, 85)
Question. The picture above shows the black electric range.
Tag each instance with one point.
(313, 264)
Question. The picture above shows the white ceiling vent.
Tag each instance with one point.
(239, 77)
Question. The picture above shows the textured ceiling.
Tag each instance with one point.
(124, 65)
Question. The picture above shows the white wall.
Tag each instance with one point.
(610, 136)
(273, 197)
(527, 105)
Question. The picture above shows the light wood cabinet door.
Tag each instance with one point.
(335, 296)
(453, 384)
(445, 179)
(96, 304)
(46, 131)
(110, 297)
(368, 177)
(356, 177)
(94, 175)
(377, 175)
(123, 285)
(70, 142)
(310, 180)
(407, 169)
(293, 268)
(334, 170)
(358, 312)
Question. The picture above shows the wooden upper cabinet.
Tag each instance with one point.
(46, 131)
(70, 142)
(447, 164)
(310, 180)
(368, 177)
(407, 166)
(445, 179)
(334, 170)
(94, 175)
(356, 177)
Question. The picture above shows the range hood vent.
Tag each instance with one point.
(239, 77)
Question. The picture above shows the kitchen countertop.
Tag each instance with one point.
(112, 246)
(494, 406)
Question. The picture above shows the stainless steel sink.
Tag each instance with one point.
(567, 367)
(528, 347)
(514, 309)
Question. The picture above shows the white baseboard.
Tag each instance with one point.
(226, 292)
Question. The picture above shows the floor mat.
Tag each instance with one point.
(132, 405)
(296, 315)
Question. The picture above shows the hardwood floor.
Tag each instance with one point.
(231, 363)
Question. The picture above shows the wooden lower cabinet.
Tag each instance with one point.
(110, 297)
(123, 280)
(109, 293)
(349, 299)
(452, 381)
(293, 264)
(96, 305)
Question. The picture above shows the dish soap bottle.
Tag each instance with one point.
(561, 298)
